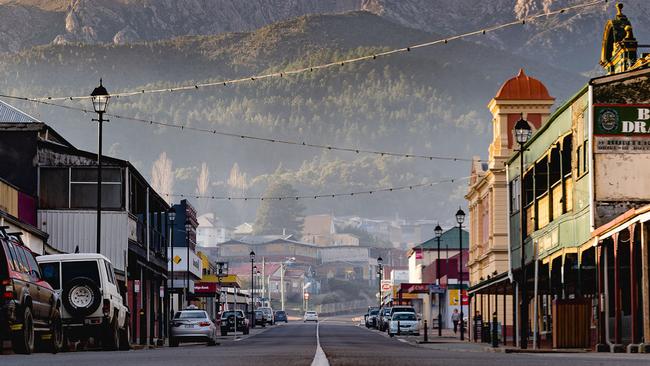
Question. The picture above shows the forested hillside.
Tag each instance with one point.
(414, 102)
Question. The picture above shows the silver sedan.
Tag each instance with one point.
(192, 326)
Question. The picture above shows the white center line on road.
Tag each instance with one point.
(320, 359)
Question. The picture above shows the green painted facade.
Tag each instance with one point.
(571, 228)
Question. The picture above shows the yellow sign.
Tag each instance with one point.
(177, 259)
(454, 299)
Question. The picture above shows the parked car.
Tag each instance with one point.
(92, 303)
(281, 316)
(268, 312)
(192, 325)
(384, 314)
(401, 309)
(408, 324)
(234, 320)
(29, 307)
(310, 316)
(371, 320)
(260, 318)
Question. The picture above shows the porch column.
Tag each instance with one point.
(602, 316)
(617, 293)
(633, 287)
(645, 282)
(488, 315)
(515, 314)
(504, 331)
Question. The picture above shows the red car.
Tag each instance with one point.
(29, 307)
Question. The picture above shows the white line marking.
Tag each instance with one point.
(320, 359)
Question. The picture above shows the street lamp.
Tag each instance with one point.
(222, 270)
(438, 231)
(522, 134)
(252, 256)
(460, 218)
(100, 98)
(258, 275)
(380, 270)
(188, 228)
(171, 215)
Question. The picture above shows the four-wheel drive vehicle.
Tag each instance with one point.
(268, 313)
(29, 307)
(281, 316)
(92, 304)
(192, 325)
(230, 318)
(401, 309)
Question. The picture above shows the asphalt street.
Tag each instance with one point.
(342, 342)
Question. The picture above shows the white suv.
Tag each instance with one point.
(92, 304)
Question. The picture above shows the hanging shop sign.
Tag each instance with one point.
(621, 128)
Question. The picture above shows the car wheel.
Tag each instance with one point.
(125, 336)
(391, 334)
(286, 321)
(81, 297)
(111, 341)
(173, 342)
(22, 340)
(51, 340)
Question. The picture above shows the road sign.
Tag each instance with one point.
(386, 287)
(177, 259)
(435, 289)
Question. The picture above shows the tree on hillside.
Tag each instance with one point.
(275, 215)
(162, 177)
(365, 238)
(202, 187)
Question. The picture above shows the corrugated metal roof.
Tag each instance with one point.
(10, 113)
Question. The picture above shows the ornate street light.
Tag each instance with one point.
(380, 270)
(188, 228)
(522, 134)
(100, 98)
(252, 257)
(438, 231)
(171, 216)
(460, 218)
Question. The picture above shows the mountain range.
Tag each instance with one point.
(429, 101)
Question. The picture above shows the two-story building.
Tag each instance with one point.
(585, 195)
(41, 163)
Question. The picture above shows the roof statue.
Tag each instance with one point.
(619, 49)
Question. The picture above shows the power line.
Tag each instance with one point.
(317, 196)
(343, 62)
(305, 144)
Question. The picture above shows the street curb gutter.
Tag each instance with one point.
(532, 351)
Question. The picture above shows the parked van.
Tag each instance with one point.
(92, 304)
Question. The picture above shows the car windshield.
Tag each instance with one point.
(387, 311)
(231, 313)
(403, 316)
(194, 314)
(403, 310)
(311, 313)
(279, 313)
(374, 312)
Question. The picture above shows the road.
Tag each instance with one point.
(342, 343)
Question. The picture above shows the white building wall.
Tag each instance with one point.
(71, 228)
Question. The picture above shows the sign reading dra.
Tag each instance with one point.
(621, 128)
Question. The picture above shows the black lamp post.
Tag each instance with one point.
(438, 231)
(522, 134)
(100, 98)
(380, 270)
(460, 218)
(222, 270)
(252, 256)
(188, 228)
(171, 215)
